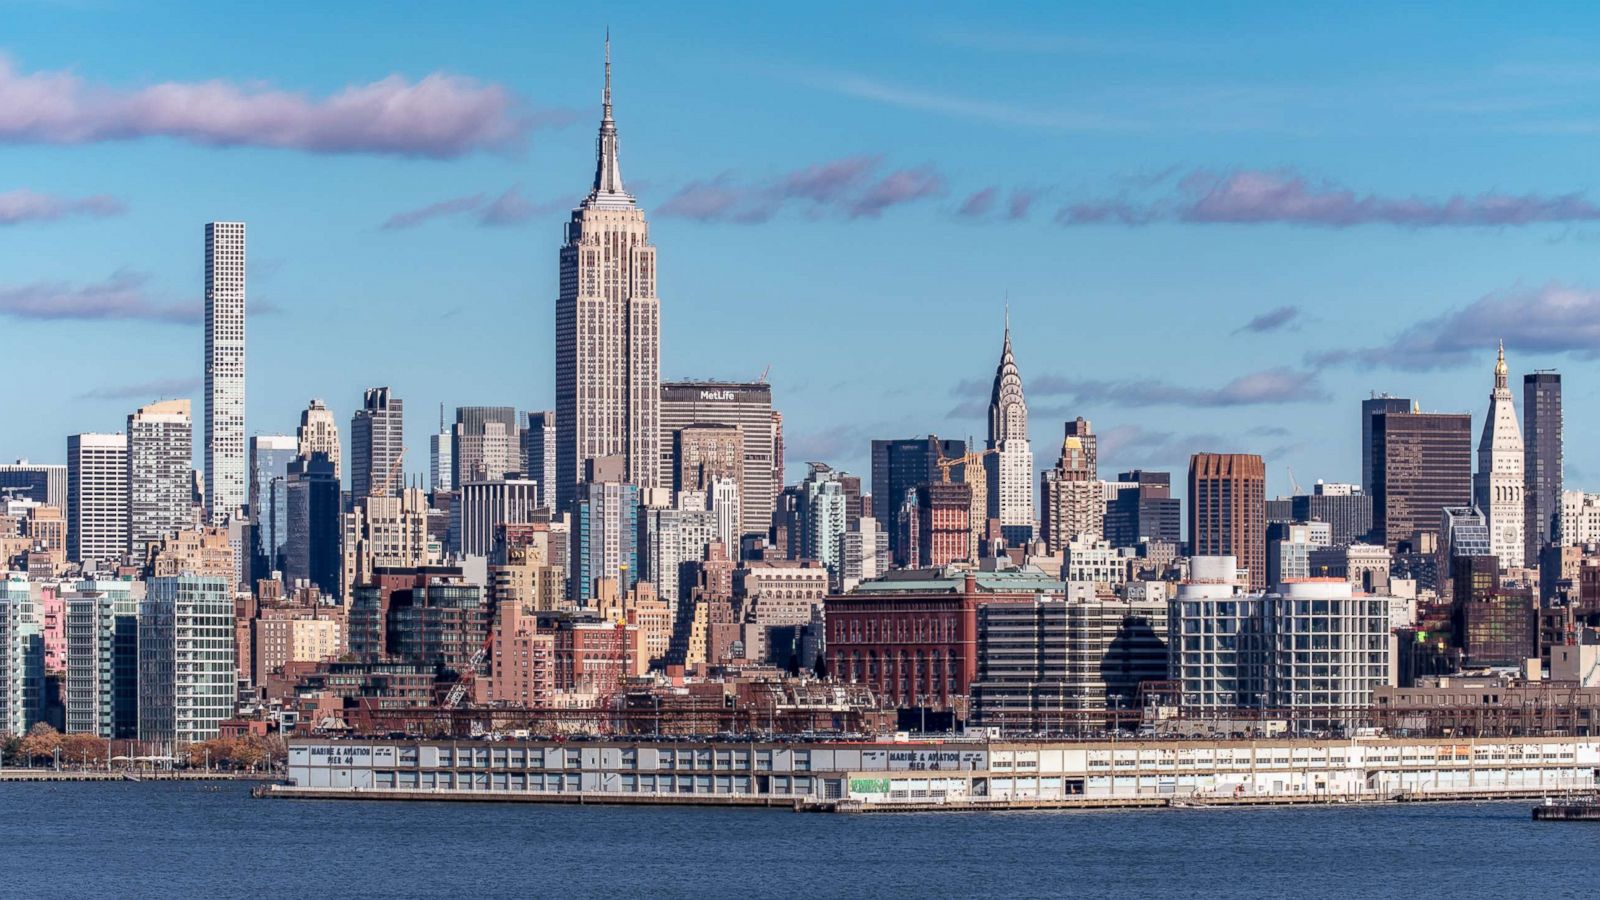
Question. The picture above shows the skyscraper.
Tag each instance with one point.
(605, 530)
(319, 433)
(1144, 511)
(1228, 510)
(270, 456)
(539, 453)
(1376, 405)
(904, 465)
(377, 445)
(744, 405)
(1421, 464)
(32, 481)
(1542, 460)
(1010, 467)
(224, 449)
(1073, 500)
(160, 473)
(97, 498)
(608, 339)
(486, 444)
(1497, 488)
(312, 553)
(188, 679)
(441, 457)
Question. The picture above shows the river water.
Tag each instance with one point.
(192, 840)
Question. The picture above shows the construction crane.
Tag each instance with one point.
(1293, 483)
(458, 691)
(382, 489)
(946, 463)
(764, 373)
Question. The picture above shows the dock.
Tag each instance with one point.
(1576, 808)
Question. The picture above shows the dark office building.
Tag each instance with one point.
(1349, 515)
(1541, 467)
(1377, 405)
(1228, 510)
(1146, 512)
(312, 551)
(1280, 511)
(1493, 626)
(1422, 463)
(900, 466)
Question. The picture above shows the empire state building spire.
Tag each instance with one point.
(608, 190)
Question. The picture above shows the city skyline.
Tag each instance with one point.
(107, 258)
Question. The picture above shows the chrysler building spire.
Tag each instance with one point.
(608, 190)
(1009, 469)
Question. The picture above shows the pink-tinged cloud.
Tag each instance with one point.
(510, 207)
(1250, 197)
(440, 116)
(122, 297)
(978, 204)
(846, 187)
(1554, 318)
(1020, 204)
(23, 205)
(896, 188)
(413, 217)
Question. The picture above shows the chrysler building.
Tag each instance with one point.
(1010, 466)
(1497, 488)
(608, 329)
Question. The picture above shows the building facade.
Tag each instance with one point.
(1010, 466)
(188, 679)
(319, 433)
(486, 444)
(608, 330)
(1072, 501)
(746, 406)
(1543, 460)
(485, 505)
(1498, 485)
(1422, 463)
(1227, 510)
(899, 466)
(102, 686)
(97, 498)
(224, 370)
(160, 473)
(270, 457)
(539, 453)
(377, 445)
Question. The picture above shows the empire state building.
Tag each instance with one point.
(608, 329)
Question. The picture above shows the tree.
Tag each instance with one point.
(83, 749)
(42, 742)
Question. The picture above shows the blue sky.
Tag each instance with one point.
(847, 194)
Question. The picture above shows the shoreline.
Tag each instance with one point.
(279, 791)
(52, 775)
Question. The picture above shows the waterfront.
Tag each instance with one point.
(192, 840)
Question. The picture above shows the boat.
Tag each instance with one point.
(1579, 807)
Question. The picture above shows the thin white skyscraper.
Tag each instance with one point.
(1498, 486)
(608, 344)
(97, 498)
(224, 447)
(1010, 466)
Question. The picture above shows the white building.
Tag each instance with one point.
(97, 498)
(1328, 649)
(864, 553)
(485, 504)
(1090, 558)
(608, 330)
(1010, 466)
(724, 504)
(224, 370)
(439, 460)
(102, 659)
(188, 677)
(1497, 488)
(673, 537)
(160, 473)
(1580, 518)
(319, 433)
(21, 656)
